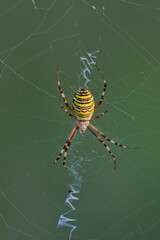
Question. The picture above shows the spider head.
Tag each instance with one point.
(83, 125)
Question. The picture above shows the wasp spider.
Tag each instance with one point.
(83, 107)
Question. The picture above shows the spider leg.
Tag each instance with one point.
(61, 91)
(100, 115)
(70, 114)
(72, 133)
(67, 148)
(66, 111)
(105, 145)
(107, 138)
(104, 89)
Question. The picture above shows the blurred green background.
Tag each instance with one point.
(113, 204)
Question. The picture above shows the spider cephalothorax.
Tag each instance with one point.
(83, 107)
(82, 125)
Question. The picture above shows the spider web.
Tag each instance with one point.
(91, 200)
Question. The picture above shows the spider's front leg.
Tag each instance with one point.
(66, 146)
(104, 144)
(96, 131)
(108, 139)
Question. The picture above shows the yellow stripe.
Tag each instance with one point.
(83, 104)
(83, 90)
(83, 113)
(77, 111)
(84, 109)
(83, 96)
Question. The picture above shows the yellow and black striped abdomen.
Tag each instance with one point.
(83, 105)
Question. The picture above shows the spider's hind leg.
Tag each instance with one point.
(66, 111)
(61, 91)
(100, 115)
(104, 89)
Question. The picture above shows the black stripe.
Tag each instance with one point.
(83, 106)
(83, 99)
(83, 93)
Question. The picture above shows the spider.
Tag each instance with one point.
(83, 107)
